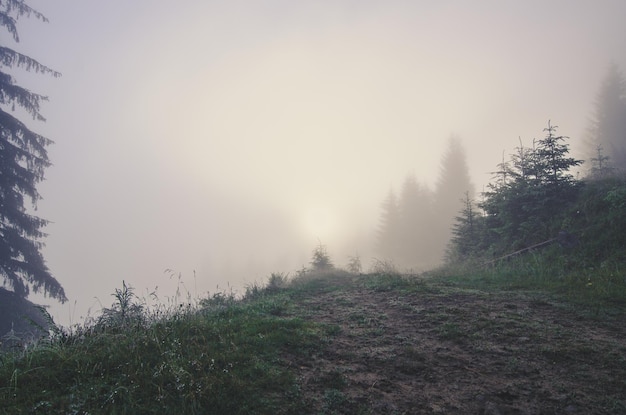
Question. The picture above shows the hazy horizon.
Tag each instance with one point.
(224, 141)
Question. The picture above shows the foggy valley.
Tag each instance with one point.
(313, 207)
(224, 142)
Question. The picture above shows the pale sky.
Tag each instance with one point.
(228, 137)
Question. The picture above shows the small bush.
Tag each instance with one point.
(277, 281)
(320, 260)
(384, 267)
(126, 311)
(354, 265)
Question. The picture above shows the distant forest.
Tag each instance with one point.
(415, 224)
(532, 198)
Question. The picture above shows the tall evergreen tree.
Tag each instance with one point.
(524, 164)
(23, 159)
(608, 124)
(465, 239)
(415, 208)
(553, 162)
(453, 182)
(509, 205)
(600, 165)
(519, 211)
(388, 235)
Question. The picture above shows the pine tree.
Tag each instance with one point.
(558, 186)
(320, 260)
(524, 166)
(608, 125)
(453, 182)
(416, 217)
(502, 175)
(465, 232)
(388, 235)
(540, 185)
(552, 161)
(600, 165)
(23, 159)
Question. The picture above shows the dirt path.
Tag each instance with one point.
(456, 352)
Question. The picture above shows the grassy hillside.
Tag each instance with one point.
(337, 343)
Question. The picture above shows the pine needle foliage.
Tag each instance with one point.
(23, 160)
(521, 206)
(539, 227)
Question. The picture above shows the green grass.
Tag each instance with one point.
(600, 288)
(224, 355)
(221, 356)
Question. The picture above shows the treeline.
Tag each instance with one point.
(607, 129)
(534, 197)
(415, 223)
(518, 209)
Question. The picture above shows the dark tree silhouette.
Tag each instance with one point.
(518, 211)
(553, 165)
(523, 166)
(465, 239)
(23, 159)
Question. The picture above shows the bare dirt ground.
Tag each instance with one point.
(445, 350)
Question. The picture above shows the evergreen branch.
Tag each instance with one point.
(11, 58)
(22, 9)
(9, 23)
(12, 94)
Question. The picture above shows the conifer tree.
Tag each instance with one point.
(465, 232)
(502, 175)
(23, 159)
(600, 165)
(453, 182)
(320, 260)
(540, 185)
(558, 186)
(416, 218)
(454, 178)
(388, 235)
(608, 125)
(524, 166)
(552, 161)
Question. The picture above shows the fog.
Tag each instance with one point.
(222, 141)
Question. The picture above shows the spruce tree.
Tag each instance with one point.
(553, 160)
(416, 233)
(389, 230)
(23, 159)
(600, 165)
(608, 124)
(320, 260)
(453, 182)
(519, 211)
(465, 232)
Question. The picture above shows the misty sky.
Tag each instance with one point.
(227, 138)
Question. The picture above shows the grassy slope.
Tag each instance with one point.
(337, 343)
(224, 356)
